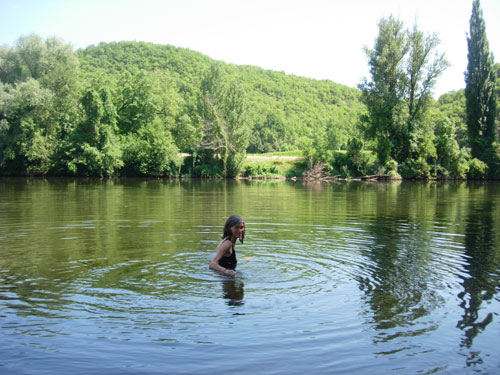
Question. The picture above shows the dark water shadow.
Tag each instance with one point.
(233, 291)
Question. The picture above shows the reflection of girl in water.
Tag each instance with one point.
(225, 256)
(233, 291)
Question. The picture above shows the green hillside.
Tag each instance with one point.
(137, 109)
(281, 108)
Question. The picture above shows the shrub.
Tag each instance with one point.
(203, 164)
(416, 169)
(477, 169)
(150, 152)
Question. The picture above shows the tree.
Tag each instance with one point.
(27, 59)
(223, 114)
(27, 141)
(148, 114)
(451, 159)
(480, 96)
(150, 151)
(92, 148)
(269, 135)
(424, 65)
(139, 100)
(51, 62)
(403, 66)
(497, 94)
(300, 106)
(383, 94)
(40, 102)
(452, 105)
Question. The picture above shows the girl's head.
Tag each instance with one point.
(234, 227)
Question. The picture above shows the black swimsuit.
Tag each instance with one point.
(230, 261)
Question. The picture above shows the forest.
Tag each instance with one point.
(142, 109)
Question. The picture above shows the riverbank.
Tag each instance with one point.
(291, 165)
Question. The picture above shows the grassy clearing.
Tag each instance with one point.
(275, 155)
(269, 167)
(272, 165)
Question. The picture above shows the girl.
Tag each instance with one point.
(225, 257)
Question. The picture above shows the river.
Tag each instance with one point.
(112, 277)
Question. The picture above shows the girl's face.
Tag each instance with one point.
(238, 230)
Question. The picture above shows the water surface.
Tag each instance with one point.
(111, 277)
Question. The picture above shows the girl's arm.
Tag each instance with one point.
(222, 249)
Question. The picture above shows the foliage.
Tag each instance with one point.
(416, 169)
(273, 168)
(280, 108)
(450, 107)
(451, 159)
(403, 67)
(496, 67)
(38, 103)
(391, 168)
(27, 140)
(480, 89)
(92, 148)
(270, 135)
(316, 148)
(225, 130)
(477, 169)
(150, 151)
(494, 167)
(203, 163)
(355, 162)
(130, 108)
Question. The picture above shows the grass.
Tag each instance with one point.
(273, 168)
(297, 154)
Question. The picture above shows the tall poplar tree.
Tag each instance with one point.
(480, 97)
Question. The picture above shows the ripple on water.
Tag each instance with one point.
(315, 275)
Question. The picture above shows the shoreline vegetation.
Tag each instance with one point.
(292, 166)
(136, 109)
(278, 166)
(269, 166)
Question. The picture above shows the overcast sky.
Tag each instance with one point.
(320, 39)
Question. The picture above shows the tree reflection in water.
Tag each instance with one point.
(482, 278)
(398, 280)
(397, 290)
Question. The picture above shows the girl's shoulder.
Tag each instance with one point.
(225, 242)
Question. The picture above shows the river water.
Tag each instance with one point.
(111, 277)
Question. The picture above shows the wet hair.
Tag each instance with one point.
(231, 222)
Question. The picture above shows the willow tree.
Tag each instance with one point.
(480, 96)
(404, 65)
(39, 89)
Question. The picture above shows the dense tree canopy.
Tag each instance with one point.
(137, 109)
(130, 108)
(302, 105)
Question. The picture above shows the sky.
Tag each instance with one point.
(321, 39)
